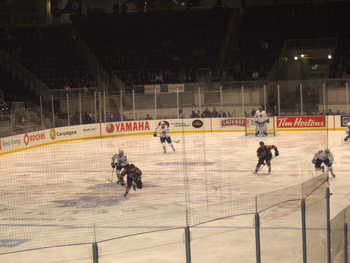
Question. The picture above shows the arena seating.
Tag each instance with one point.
(145, 42)
(47, 52)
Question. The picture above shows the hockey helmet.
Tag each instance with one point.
(348, 124)
(327, 151)
(162, 124)
(260, 108)
(131, 166)
(261, 143)
(121, 152)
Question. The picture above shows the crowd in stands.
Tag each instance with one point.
(127, 45)
(48, 53)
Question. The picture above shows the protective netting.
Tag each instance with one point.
(59, 193)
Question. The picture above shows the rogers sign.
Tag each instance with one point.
(33, 138)
(128, 126)
(301, 122)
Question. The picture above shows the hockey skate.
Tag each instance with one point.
(255, 171)
(322, 169)
(269, 170)
(134, 186)
(125, 194)
(333, 174)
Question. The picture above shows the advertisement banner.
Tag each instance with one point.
(301, 122)
(233, 122)
(344, 120)
(176, 88)
(130, 126)
(152, 88)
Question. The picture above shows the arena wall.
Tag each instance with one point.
(147, 127)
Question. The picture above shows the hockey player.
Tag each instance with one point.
(326, 157)
(264, 154)
(347, 131)
(164, 135)
(261, 119)
(121, 162)
(133, 178)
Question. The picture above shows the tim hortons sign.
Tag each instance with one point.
(301, 122)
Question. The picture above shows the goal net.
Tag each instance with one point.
(250, 128)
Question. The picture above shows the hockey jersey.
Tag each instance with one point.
(323, 156)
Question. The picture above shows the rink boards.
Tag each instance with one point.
(147, 127)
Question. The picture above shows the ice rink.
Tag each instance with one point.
(60, 194)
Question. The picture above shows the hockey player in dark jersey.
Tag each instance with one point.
(264, 154)
(133, 178)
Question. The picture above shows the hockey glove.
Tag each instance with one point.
(329, 164)
(346, 138)
(314, 161)
(277, 153)
(113, 165)
(268, 120)
(155, 134)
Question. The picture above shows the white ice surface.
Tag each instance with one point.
(60, 193)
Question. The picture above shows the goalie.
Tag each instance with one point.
(261, 121)
(347, 131)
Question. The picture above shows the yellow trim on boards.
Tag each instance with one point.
(151, 133)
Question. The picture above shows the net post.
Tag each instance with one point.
(243, 100)
(303, 228)
(188, 244)
(301, 100)
(95, 252)
(53, 111)
(279, 99)
(257, 237)
(328, 194)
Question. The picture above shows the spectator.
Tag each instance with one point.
(207, 113)
(7, 116)
(93, 118)
(148, 117)
(116, 8)
(66, 86)
(123, 7)
(255, 75)
(181, 113)
(330, 112)
(86, 118)
(194, 115)
(190, 76)
(183, 77)
(129, 80)
(215, 113)
(223, 114)
(159, 78)
(253, 112)
(337, 112)
(275, 111)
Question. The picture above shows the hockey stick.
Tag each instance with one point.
(173, 141)
(264, 164)
(111, 180)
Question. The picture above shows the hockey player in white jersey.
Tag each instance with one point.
(120, 161)
(347, 131)
(326, 157)
(164, 135)
(261, 119)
